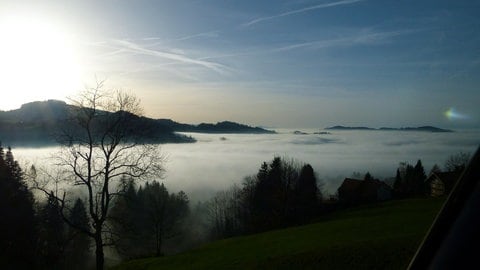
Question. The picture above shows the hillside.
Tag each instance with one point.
(220, 127)
(380, 236)
(38, 123)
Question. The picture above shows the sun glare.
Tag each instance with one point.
(38, 61)
(453, 114)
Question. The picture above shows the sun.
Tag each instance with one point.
(38, 61)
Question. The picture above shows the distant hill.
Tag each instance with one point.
(422, 128)
(38, 123)
(348, 128)
(220, 127)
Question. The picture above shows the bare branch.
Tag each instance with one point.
(101, 143)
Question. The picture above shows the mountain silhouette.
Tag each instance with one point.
(39, 123)
(422, 128)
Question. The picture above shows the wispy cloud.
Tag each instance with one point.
(151, 38)
(183, 76)
(363, 38)
(302, 10)
(176, 57)
(159, 40)
(210, 34)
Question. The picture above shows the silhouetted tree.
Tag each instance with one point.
(247, 203)
(126, 218)
(227, 213)
(263, 172)
(77, 252)
(398, 186)
(52, 238)
(18, 235)
(419, 178)
(410, 180)
(103, 142)
(435, 169)
(156, 203)
(291, 170)
(306, 194)
(268, 207)
(356, 175)
(143, 220)
(457, 162)
(164, 212)
(283, 192)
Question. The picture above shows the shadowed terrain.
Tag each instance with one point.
(377, 236)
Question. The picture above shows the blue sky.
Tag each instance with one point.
(296, 64)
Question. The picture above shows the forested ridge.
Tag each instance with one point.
(39, 123)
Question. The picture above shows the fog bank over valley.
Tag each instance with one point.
(216, 161)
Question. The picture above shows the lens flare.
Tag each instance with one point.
(452, 114)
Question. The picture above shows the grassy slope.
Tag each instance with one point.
(370, 237)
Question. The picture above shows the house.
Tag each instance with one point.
(348, 192)
(354, 191)
(441, 183)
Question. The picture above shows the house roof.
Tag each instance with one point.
(350, 184)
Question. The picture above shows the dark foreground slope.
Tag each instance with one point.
(381, 236)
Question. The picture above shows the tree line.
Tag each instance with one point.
(33, 234)
(39, 234)
(144, 218)
(410, 181)
(283, 192)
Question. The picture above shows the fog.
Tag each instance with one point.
(217, 161)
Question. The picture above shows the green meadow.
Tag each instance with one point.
(377, 236)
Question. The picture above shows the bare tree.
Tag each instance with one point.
(457, 162)
(102, 142)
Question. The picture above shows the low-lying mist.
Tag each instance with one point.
(217, 161)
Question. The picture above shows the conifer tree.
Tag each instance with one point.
(306, 194)
(18, 235)
(420, 177)
(52, 236)
(78, 249)
(398, 185)
(368, 177)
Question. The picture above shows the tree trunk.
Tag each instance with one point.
(99, 251)
(158, 240)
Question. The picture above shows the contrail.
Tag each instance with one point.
(320, 6)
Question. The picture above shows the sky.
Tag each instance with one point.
(272, 63)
